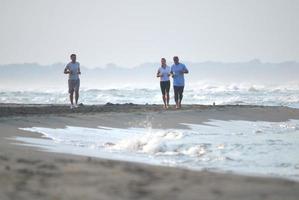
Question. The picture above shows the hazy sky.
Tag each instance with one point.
(131, 32)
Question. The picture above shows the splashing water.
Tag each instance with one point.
(261, 148)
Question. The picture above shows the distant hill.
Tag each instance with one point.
(35, 76)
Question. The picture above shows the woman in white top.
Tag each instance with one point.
(164, 73)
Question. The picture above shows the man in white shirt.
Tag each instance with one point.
(73, 70)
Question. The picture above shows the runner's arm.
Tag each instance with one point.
(66, 70)
(158, 74)
(185, 70)
(79, 71)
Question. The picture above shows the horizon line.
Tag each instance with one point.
(111, 64)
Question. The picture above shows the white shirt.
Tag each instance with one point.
(164, 72)
(74, 69)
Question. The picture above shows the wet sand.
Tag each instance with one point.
(31, 173)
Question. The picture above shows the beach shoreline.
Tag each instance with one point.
(31, 173)
(13, 109)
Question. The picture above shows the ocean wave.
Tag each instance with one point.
(196, 94)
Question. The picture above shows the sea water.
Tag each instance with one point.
(195, 94)
(244, 147)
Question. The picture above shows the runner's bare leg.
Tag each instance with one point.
(167, 97)
(71, 98)
(164, 100)
(76, 96)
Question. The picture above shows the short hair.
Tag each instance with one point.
(73, 55)
(175, 57)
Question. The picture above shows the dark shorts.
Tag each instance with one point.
(74, 85)
(178, 93)
(165, 87)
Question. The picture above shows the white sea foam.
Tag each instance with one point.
(239, 146)
(194, 94)
(149, 143)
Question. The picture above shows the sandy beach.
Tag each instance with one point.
(32, 173)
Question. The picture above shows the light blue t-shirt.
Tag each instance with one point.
(178, 78)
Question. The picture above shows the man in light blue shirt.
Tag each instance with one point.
(177, 71)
